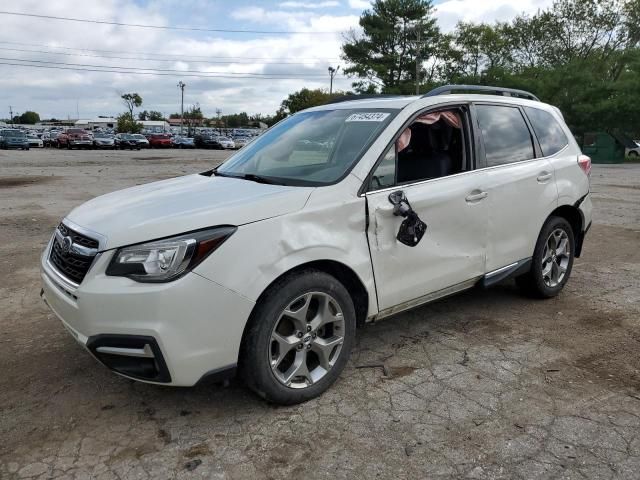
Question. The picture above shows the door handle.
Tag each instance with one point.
(476, 197)
(544, 177)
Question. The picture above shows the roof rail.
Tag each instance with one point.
(507, 92)
(367, 96)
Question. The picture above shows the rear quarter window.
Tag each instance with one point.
(551, 136)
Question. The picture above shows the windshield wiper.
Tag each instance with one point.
(251, 177)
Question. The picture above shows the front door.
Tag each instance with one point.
(450, 198)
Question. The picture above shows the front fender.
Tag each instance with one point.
(326, 229)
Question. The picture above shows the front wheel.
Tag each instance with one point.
(299, 338)
(633, 154)
(552, 260)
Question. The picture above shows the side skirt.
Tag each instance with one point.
(428, 298)
(509, 271)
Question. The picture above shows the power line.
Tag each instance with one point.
(153, 70)
(249, 76)
(161, 27)
(60, 47)
(169, 60)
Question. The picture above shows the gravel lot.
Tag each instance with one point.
(487, 384)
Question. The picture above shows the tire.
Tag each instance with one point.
(633, 154)
(323, 351)
(550, 271)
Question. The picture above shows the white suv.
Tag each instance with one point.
(339, 215)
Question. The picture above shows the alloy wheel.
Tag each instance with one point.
(555, 258)
(307, 339)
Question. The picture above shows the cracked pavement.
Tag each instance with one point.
(483, 385)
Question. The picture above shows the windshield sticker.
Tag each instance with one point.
(367, 117)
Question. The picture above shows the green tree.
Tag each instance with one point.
(131, 101)
(396, 33)
(152, 115)
(156, 116)
(28, 117)
(127, 124)
(306, 98)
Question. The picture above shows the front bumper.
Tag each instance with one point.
(192, 326)
(17, 145)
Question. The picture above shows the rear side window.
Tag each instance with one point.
(505, 133)
(549, 132)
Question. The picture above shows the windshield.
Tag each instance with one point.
(13, 133)
(310, 148)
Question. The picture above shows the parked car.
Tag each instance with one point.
(225, 142)
(74, 138)
(183, 142)
(140, 139)
(160, 140)
(46, 139)
(34, 141)
(13, 138)
(265, 264)
(634, 152)
(103, 140)
(241, 141)
(207, 141)
(125, 141)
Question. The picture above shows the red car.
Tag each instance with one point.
(75, 137)
(160, 140)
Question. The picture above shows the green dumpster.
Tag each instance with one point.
(603, 147)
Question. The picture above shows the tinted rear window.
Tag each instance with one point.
(550, 135)
(505, 133)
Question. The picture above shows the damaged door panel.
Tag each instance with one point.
(451, 250)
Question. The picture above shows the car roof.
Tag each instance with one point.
(400, 102)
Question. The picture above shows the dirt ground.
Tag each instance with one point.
(485, 385)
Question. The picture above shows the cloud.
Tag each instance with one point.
(312, 5)
(450, 12)
(303, 57)
(359, 4)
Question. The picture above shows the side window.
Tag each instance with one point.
(432, 146)
(550, 135)
(505, 133)
(384, 175)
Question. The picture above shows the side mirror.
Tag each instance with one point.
(401, 206)
(412, 229)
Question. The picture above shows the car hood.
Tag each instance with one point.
(182, 204)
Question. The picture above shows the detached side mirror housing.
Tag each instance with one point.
(412, 229)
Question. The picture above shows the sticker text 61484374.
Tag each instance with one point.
(367, 117)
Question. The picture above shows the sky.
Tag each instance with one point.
(233, 72)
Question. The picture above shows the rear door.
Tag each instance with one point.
(521, 183)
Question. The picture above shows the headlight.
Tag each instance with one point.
(167, 259)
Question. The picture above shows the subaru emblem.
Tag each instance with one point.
(66, 244)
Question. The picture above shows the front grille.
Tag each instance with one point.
(72, 265)
(77, 237)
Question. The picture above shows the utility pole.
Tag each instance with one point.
(181, 86)
(11, 114)
(332, 73)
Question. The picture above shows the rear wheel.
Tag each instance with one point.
(552, 260)
(299, 338)
(633, 153)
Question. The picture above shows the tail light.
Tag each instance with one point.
(585, 164)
